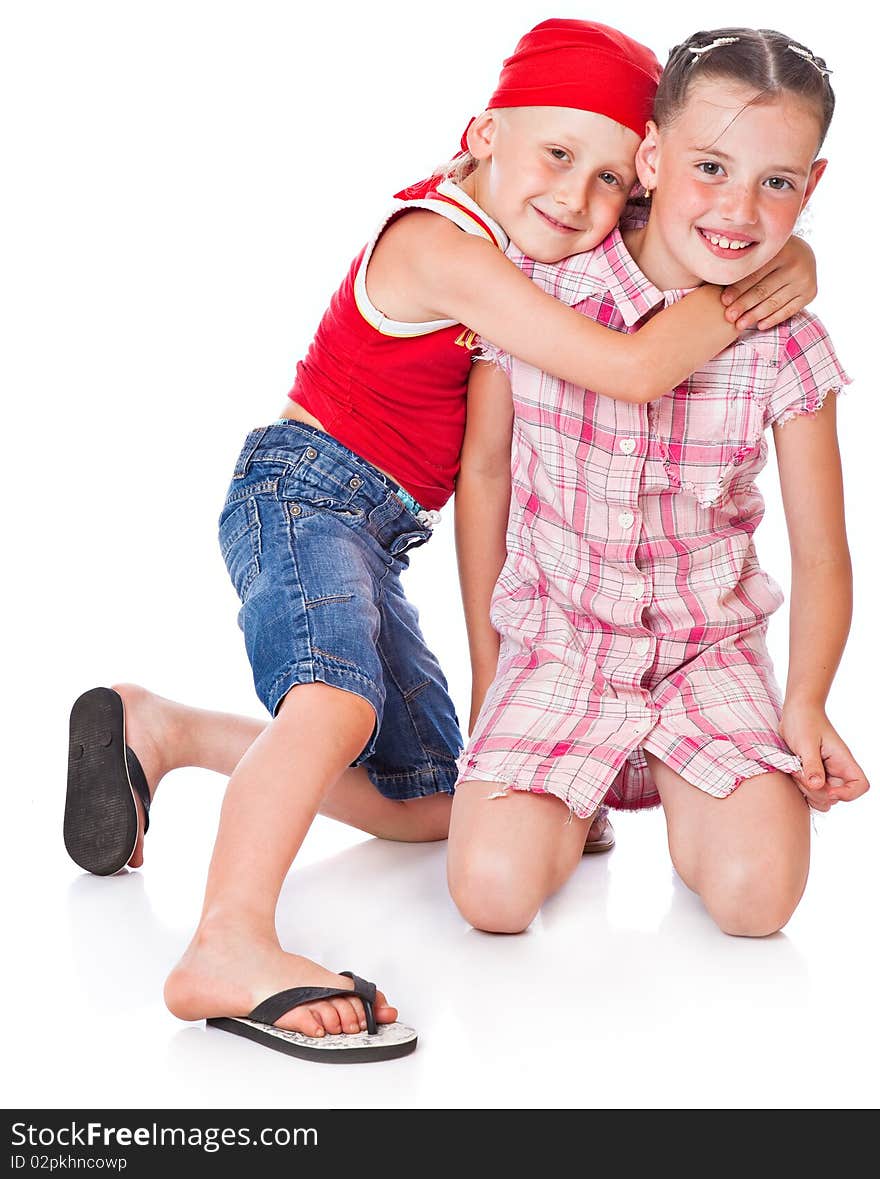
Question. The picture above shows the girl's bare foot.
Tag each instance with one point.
(203, 985)
(600, 837)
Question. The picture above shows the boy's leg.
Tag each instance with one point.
(508, 853)
(167, 735)
(234, 960)
(747, 856)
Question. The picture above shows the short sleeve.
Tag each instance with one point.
(487, 351)
(808, 370)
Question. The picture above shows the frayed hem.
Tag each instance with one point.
(809, 410)
(506, 787)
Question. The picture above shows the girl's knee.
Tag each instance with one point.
(751, 899)
(489, 892)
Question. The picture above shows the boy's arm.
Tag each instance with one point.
(470, 280)
(482, 503)
(821, 603)
(455, 275)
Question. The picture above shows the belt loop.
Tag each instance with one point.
(253, 440)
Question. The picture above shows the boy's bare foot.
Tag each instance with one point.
(202, 986)
(149, 733)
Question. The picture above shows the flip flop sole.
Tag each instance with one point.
(100, 815)
(392, 1040)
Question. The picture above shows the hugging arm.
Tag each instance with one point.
(468, 279)
(821, 603)
(482, 504)
(471, 281)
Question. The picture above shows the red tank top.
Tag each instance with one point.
(395, 392)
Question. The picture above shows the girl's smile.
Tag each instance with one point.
(724, 243)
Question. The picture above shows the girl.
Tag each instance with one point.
(631, 607)
(325, 502)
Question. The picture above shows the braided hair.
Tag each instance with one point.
(769, 61)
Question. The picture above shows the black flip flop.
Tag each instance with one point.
(103, 774)
(379, 1042)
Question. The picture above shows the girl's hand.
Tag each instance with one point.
(775, 292)
(831, 774)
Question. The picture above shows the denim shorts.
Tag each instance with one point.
(315, 539)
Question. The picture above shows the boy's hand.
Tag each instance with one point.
(775, 292)
(831, 774)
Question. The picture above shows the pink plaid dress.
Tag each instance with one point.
(632, 608)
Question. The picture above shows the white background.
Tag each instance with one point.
(185, 184)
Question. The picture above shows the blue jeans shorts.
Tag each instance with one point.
(315, 539)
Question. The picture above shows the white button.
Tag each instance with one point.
(627, 445)
(642, 646)
(638, 589)
(626, 519)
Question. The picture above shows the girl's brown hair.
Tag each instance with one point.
(769, 61)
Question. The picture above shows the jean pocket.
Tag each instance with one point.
(240, 544)
(406, 541)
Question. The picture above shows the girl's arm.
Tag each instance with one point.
(482, 503)
(439, 272)
(821, 603)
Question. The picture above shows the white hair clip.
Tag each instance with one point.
(700, 50)
(807, 56)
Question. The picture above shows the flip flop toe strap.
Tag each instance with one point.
(366, 991)
(139, 783)
(271, 1009)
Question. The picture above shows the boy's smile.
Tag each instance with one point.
(555, 178)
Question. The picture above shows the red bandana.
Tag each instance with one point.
(584, 65)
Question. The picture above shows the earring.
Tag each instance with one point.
(648, 192)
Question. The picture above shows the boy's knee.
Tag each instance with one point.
(488, 892)
(341, 720)
(754, 899)
(309, 703)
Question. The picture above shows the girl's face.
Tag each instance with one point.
(556, 179)
(731, 175)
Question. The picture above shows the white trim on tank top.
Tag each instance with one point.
(462, 218)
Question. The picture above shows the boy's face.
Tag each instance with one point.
(731, 174)
(556, 179)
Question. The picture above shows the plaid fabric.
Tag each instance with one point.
(632, 607)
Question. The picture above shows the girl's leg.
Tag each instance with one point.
(167, 735)
(508, 854)
(747, 856)
(234, 959)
